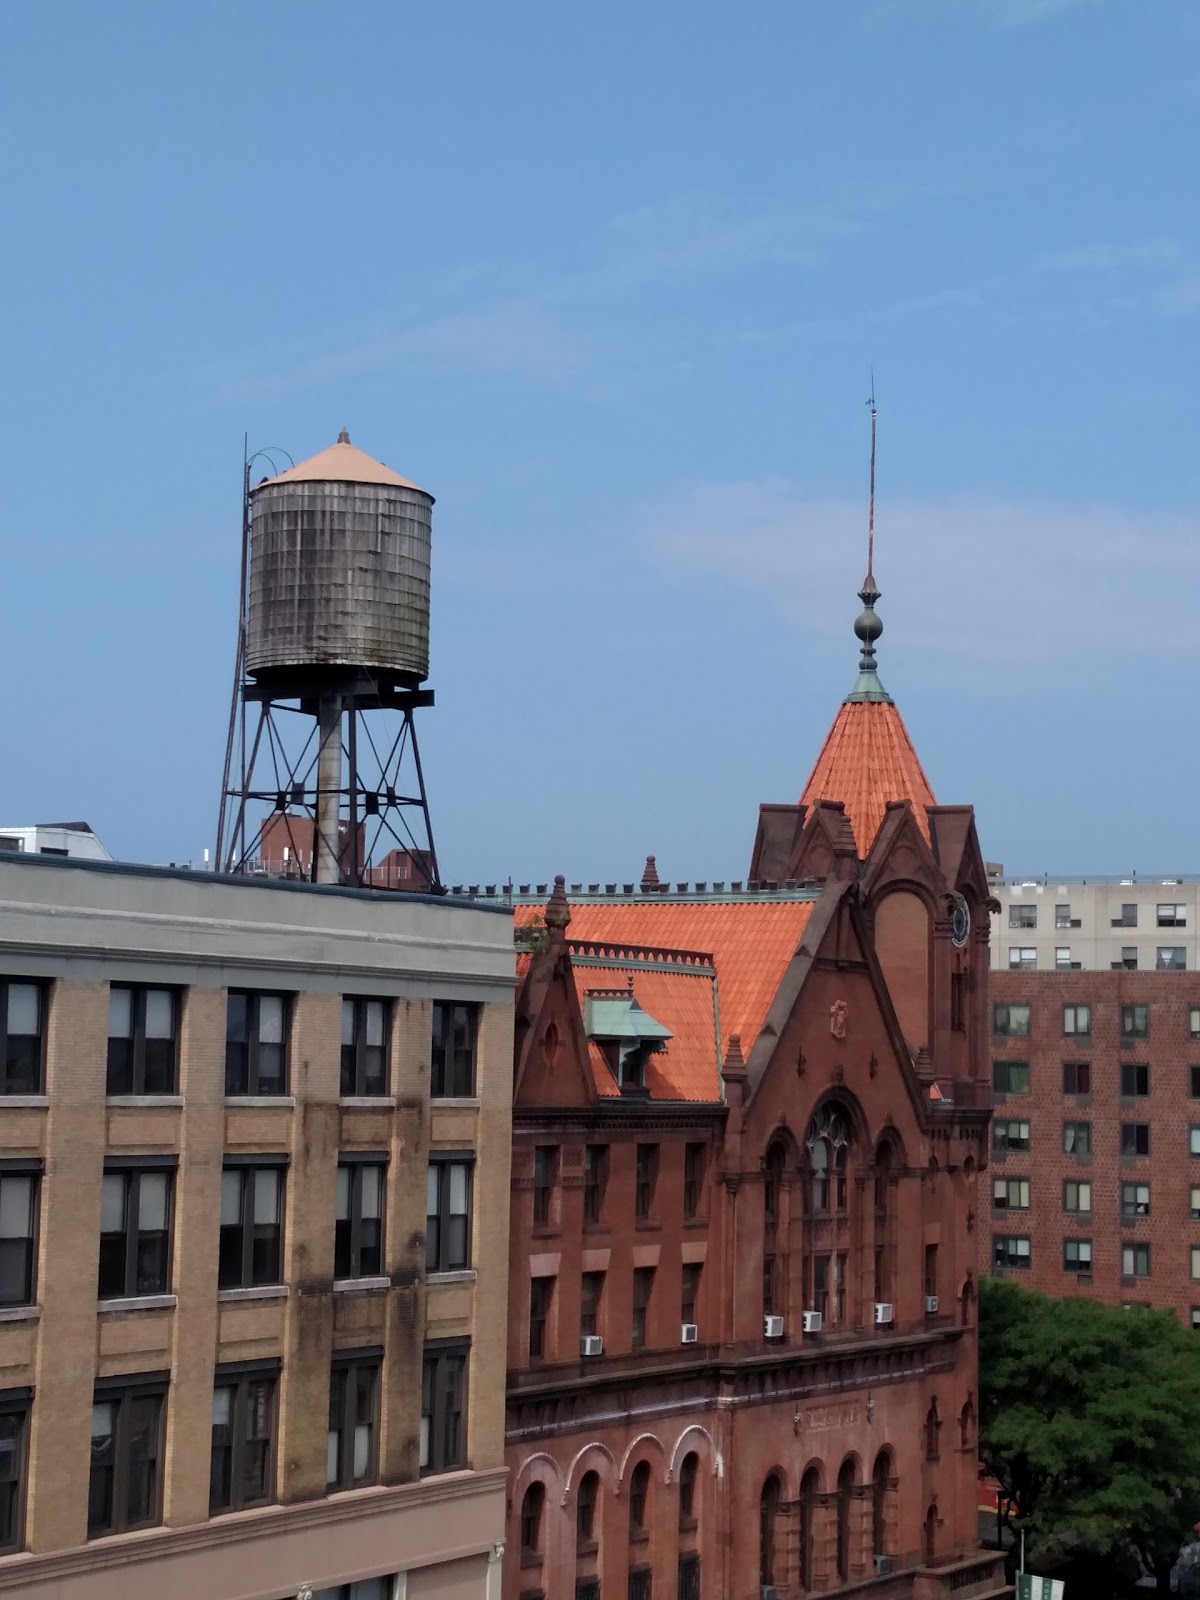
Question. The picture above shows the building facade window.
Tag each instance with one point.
(1135, 1199)
(142, 1054)
(688, 1474)
(591, 1301)
(1195, 1262)
(251, 1241)
(455, 1044)
(1194, 1203)
(1077, 1138)
(242, 1471)
(1010, 1077)
(352, 1457)
(1008, 1194)
(1077, 1256)
(366, 1025)
(1128, 917)
(255, 1043)
(1022, 916)
(448, 1214)
(444, 1406)
(1171, 916)
(19, 1184)
(845, 1504)
(643, 1290)
(690, 1295)
(1077, 1077)
(1077, 1020)
(1170, 958)
(585, 1509)
(693, 1180)
(1010, 1021)
(135, 1231)
(364, 1589)
(14, 1434)
(1077, 1196)
(1062, 958)
(545, 1177)
(1194, 1022)
(1129, 958)
(645, 1181)
(532, 1507)
(1135, 1022)
(1194, 1082)
(1135, 1139)
(595, 1180)
(639, 1500)
(125, 1484)
(1009, 1135)
(1010, 1252)
(22, 1043)
(1135, 1080)
(933, 1432)
(1022, 958)
(541, 1300)
(768, 1529)
(358, 1219)
(1135, 1260)
(881, 1476)
(1194, 1141)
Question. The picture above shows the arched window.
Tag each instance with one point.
(828, 1146)
(773, 1169)
(810, 1488)
(773, 1182)
(967, 1295)
(531, 1520)
(933, 1427)
(880, 1484)
(930, 1540)
(585, 1508)
(845, 1502)
(768, 1517)
(966, 1424)
(639, 1494)
(688, 1473)
(883, 1231)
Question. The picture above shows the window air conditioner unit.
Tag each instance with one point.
(812, 1322)
(688, 1333)
(883, 1314)
(768, 1591)
(591, 1344)
(772, 1327)
(931, 1305)
(883, 1564)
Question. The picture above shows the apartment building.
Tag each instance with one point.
(233, 1113)
(1095, 1183)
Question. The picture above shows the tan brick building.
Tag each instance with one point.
(226, 1365)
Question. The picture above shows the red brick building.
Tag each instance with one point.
(1095, 1182)
(747, 1124)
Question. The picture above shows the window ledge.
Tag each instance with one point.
(361, 1285)
(454, 1102)
(254, 1291)
(261, 1102)
(144, 1101)
(465, 1275)
(695, 1222)
(20, 1313)
(368, 1102)
(139, 1302)
(647, 1225)
(25, 1102)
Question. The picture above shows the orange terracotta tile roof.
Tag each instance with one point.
(867, 760)
(750, 943)
(682, 1000)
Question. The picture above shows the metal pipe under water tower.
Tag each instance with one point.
(328, 867)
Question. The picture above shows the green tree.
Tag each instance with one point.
(1090, 1422)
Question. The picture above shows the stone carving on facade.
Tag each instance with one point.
(838, 1012)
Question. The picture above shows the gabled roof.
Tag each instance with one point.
(343, 463)
(702, 966)
(868, 759)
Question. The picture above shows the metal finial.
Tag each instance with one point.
(867, 626)
(344, 436)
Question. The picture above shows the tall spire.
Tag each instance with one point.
(868, 627)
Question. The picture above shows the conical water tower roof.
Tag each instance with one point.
(343, 463)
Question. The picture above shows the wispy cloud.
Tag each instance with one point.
(1029, 588)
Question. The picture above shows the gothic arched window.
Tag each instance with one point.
(828, 1147)
(531, 1520)
(585, 1507)
(845, 1501)
(933, 1427)
(639, 1494)
(810, 1488)
(880, 1484)
(768, 1517)
(688, 1473)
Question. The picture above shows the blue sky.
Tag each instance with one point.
(610, 282)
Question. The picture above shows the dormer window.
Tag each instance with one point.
(626, 1035)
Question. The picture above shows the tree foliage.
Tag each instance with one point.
(1090, 1422)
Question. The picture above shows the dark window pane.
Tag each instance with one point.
(100, 1484)
(220, 1482)
(142, 1455)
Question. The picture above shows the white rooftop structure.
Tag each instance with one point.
(54, 839)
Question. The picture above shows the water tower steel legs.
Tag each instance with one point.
(327, 844)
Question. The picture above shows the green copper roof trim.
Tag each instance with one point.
(614, 1018)
(868, 687)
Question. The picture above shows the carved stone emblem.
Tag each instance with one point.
(837, 1019)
